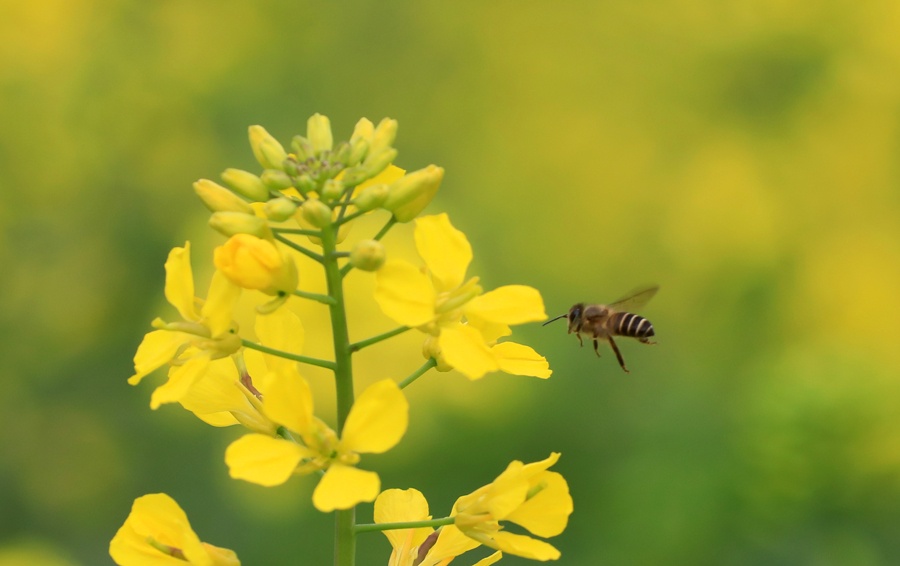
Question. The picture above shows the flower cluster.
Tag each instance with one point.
(301, 204)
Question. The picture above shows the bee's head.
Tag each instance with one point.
(573, 316)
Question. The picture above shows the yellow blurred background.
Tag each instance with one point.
(745, 156)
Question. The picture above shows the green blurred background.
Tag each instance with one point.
(745, 156)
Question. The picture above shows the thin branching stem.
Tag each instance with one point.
(327, 364)
(418, 373)
(357, 346)
(295, 246)
(369, 527)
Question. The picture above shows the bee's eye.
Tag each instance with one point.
(576, 312)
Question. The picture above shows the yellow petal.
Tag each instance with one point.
(156, 517)
(181, 379)
(378, 419)
(492, 559)
(404, 293)
(511, 304)
(524, 546)
(283, 331)
(180, 282)
(219, 306)
(451, 542)
(401, 505)
(289, 401)
(263, 460)
(445, 249)
(221, 556)
(518, 359)
(464, 349)
(156, 350)
(342, 487)
(546, 514)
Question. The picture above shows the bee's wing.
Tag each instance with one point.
(635, 299)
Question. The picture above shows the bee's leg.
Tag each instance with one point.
(580, 341)
(618, 354)
(596, 346)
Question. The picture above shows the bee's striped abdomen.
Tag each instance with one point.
(628, 324)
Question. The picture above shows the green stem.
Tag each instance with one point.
(418, 373)
(297, 231)
(357, 346)
(345, 537)
(324, 299)
(384, 230)
(369, 527)
(289, 356)
(295, 246)
(352, 216)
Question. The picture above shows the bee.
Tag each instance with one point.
(605, 321)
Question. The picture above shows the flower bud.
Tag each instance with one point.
(376, 163)
(267, 150)
(318, 130)
(316, 213)
(276, 180)
(383, 136)
(256, 263)
(302, 147)
(305, 183)
(341, 153)
(362, 131)
(246, 184)
(410, 194)
(371, 197)
(291, 166)
(218, 198)
(279, 209)
(231, 223)
(332, 190)
(367, 255)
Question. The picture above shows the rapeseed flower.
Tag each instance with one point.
(422, 546)
(200, 336)
(525, 494)
(157, 533)
(375, 424)
(463, 323)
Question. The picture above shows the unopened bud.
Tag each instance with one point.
(276, 180)
(231, 223)
(279, 209)
(304, 184)
(318, 130)
(246, 184)
(332, 190)
(291, 166)
(376, 163)
(316, 213)
(383, 136)
(302, 147)
(256, 263)
(410, 194)
(341, 153)
(267, 150)
(367, 255)
(218, 198)
(371, 197)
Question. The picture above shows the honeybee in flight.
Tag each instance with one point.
(601, 322)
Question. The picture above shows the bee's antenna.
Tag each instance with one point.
(557, 318)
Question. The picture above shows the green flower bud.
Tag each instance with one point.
(355, 175)
(246, 184)
(332, 190)
(363, 130)
(302, 147)
(291, 167)
(371, 197)
(341, 153)
(376, 163)
(216, 197)
(276, 180)
(316, 213)
(280, 209)
(268, 152)
(358, 149)
(383, 136)
(231, 223)
(410, 194)
(367, 255)
(318, 130)
(304, 184)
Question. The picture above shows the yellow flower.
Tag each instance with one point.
(191, 343)
(421, 546)
(376, 423)
(463, 323)
(256, 263)
(525, 494)
(157, 533)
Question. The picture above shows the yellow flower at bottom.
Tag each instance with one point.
(157, 533)
(526, 494)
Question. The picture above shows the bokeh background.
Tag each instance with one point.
(745, 156)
